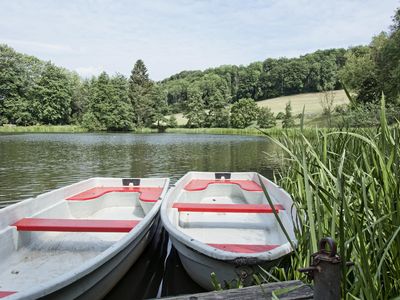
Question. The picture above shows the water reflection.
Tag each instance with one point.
(31, 164)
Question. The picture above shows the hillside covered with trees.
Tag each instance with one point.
(38, 92)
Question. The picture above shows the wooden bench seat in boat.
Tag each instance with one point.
(202, 184)
(75, 225)
(147, 194)
(230, 208)
(243, 248)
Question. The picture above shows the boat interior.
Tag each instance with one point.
(47, 236)
(230, 213)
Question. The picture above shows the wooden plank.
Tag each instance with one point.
(285, 290)
(226, 208)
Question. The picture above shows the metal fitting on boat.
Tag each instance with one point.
(244, 272)
(246, 261)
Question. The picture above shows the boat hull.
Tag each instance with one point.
(228, 273)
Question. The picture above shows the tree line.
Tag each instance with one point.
(37, 92)
(375, 69)
(271, 78)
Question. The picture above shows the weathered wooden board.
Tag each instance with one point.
(286, 290)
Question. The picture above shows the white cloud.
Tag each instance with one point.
(177, 35)
(89, 71)
(35, 46)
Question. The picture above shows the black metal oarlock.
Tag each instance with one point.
(325, 270)
(223, 175)
(131, 181)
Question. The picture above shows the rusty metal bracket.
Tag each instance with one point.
(325, 270)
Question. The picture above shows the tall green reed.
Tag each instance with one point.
(345, 184)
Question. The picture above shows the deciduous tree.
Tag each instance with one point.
(266, 118)
(157, 108)
(243, 113)
(218, 114)
(195, 108)
(53, 96)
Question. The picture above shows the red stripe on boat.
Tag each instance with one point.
(202, 184)
(232, 208)
(4, 294)
(75, 225)
(147, 194)
(240, 248)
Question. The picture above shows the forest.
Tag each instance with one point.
(34, 92)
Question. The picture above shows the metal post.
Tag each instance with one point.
(325, 271)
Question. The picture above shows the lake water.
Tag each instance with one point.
(31, 164)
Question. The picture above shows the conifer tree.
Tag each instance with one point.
(288, 120)
(139, 86)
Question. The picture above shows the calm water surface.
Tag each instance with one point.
(31, 164)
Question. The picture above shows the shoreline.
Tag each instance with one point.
(79, 129)
(251, 131)
(42, 129)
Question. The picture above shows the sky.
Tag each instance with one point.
(91, 36)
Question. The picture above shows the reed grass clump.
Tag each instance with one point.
(345, 184)
(291, 132)
(228, 131)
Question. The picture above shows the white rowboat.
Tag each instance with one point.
(222, 223)
(77, 241)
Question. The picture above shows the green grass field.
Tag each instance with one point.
(311, 101)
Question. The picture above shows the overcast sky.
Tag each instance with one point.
(174, 35)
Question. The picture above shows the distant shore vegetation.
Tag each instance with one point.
(35, 92)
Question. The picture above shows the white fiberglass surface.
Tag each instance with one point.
(229, 227)
(40, 256)
(48, 255)
(111, 206)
